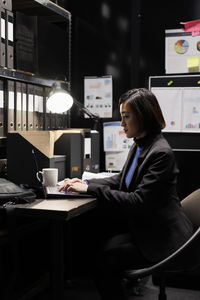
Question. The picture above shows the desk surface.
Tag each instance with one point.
(56, 208)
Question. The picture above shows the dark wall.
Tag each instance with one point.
(156, 16)
(101, 45)
(125, 40)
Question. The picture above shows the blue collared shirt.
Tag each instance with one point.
(132, 166)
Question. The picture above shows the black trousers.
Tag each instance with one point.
(119, 253)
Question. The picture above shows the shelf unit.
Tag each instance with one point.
(50, 12)
(29, 78)
(43, 8)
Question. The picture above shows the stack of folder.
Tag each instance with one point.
(7, 34)
(25, 106)
(6, 53)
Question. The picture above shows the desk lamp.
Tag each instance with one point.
(60, 101)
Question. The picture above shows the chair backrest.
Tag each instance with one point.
(191, 207)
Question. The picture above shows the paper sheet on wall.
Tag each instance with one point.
(179, 47)
(191, 110)
(98, 95)
(115, 138)
(170, 100)
(115, 160)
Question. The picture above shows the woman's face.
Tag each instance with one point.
(129, 121)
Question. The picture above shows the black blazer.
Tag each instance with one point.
(150, 203)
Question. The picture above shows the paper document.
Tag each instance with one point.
(89, 175)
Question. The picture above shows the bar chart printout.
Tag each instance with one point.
(116, 146)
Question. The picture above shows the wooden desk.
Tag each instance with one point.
(56, 211)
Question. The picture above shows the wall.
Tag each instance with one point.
(101, 45)
(125, 40)
(156, 16)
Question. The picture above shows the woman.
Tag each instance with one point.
(143, 193)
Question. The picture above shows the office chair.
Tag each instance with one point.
(184, 259)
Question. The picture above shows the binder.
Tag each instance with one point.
(9, 40)
(53, 117)
(18, 105)
(11, 105)
(95, 151)
(59, 121)
(39, 107)
(3, 37)
(24, 107)
(64, 120)
(6, 4)
(36, 111)
(30, 93)
(47, 112)
(2, 121)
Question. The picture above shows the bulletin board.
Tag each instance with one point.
(179, 99)
(180, 107)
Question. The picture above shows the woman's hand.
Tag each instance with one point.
(75, 185)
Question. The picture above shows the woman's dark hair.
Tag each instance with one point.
(146, 108)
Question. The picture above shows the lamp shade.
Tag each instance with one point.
(59, 100)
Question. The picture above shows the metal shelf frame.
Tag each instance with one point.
(42, 8)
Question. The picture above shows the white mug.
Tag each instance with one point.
(48, 176)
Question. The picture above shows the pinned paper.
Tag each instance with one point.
(192, 26)
(193, 64)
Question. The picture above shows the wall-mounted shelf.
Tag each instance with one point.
(44, 8)
(28, 77)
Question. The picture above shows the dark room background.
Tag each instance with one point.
(125, 40)
(122, 39)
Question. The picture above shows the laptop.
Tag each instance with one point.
(51, 192)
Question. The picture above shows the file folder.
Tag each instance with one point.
(18, 105)
(47, 112)
(95, 151)
(53, 120)
(60, 121)
(6, 4)
(9, 40)
(24, 107)
(30, 93)
(3, 38)
(39, 107)
(11, 105)
(36, 111)
(1, 109)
